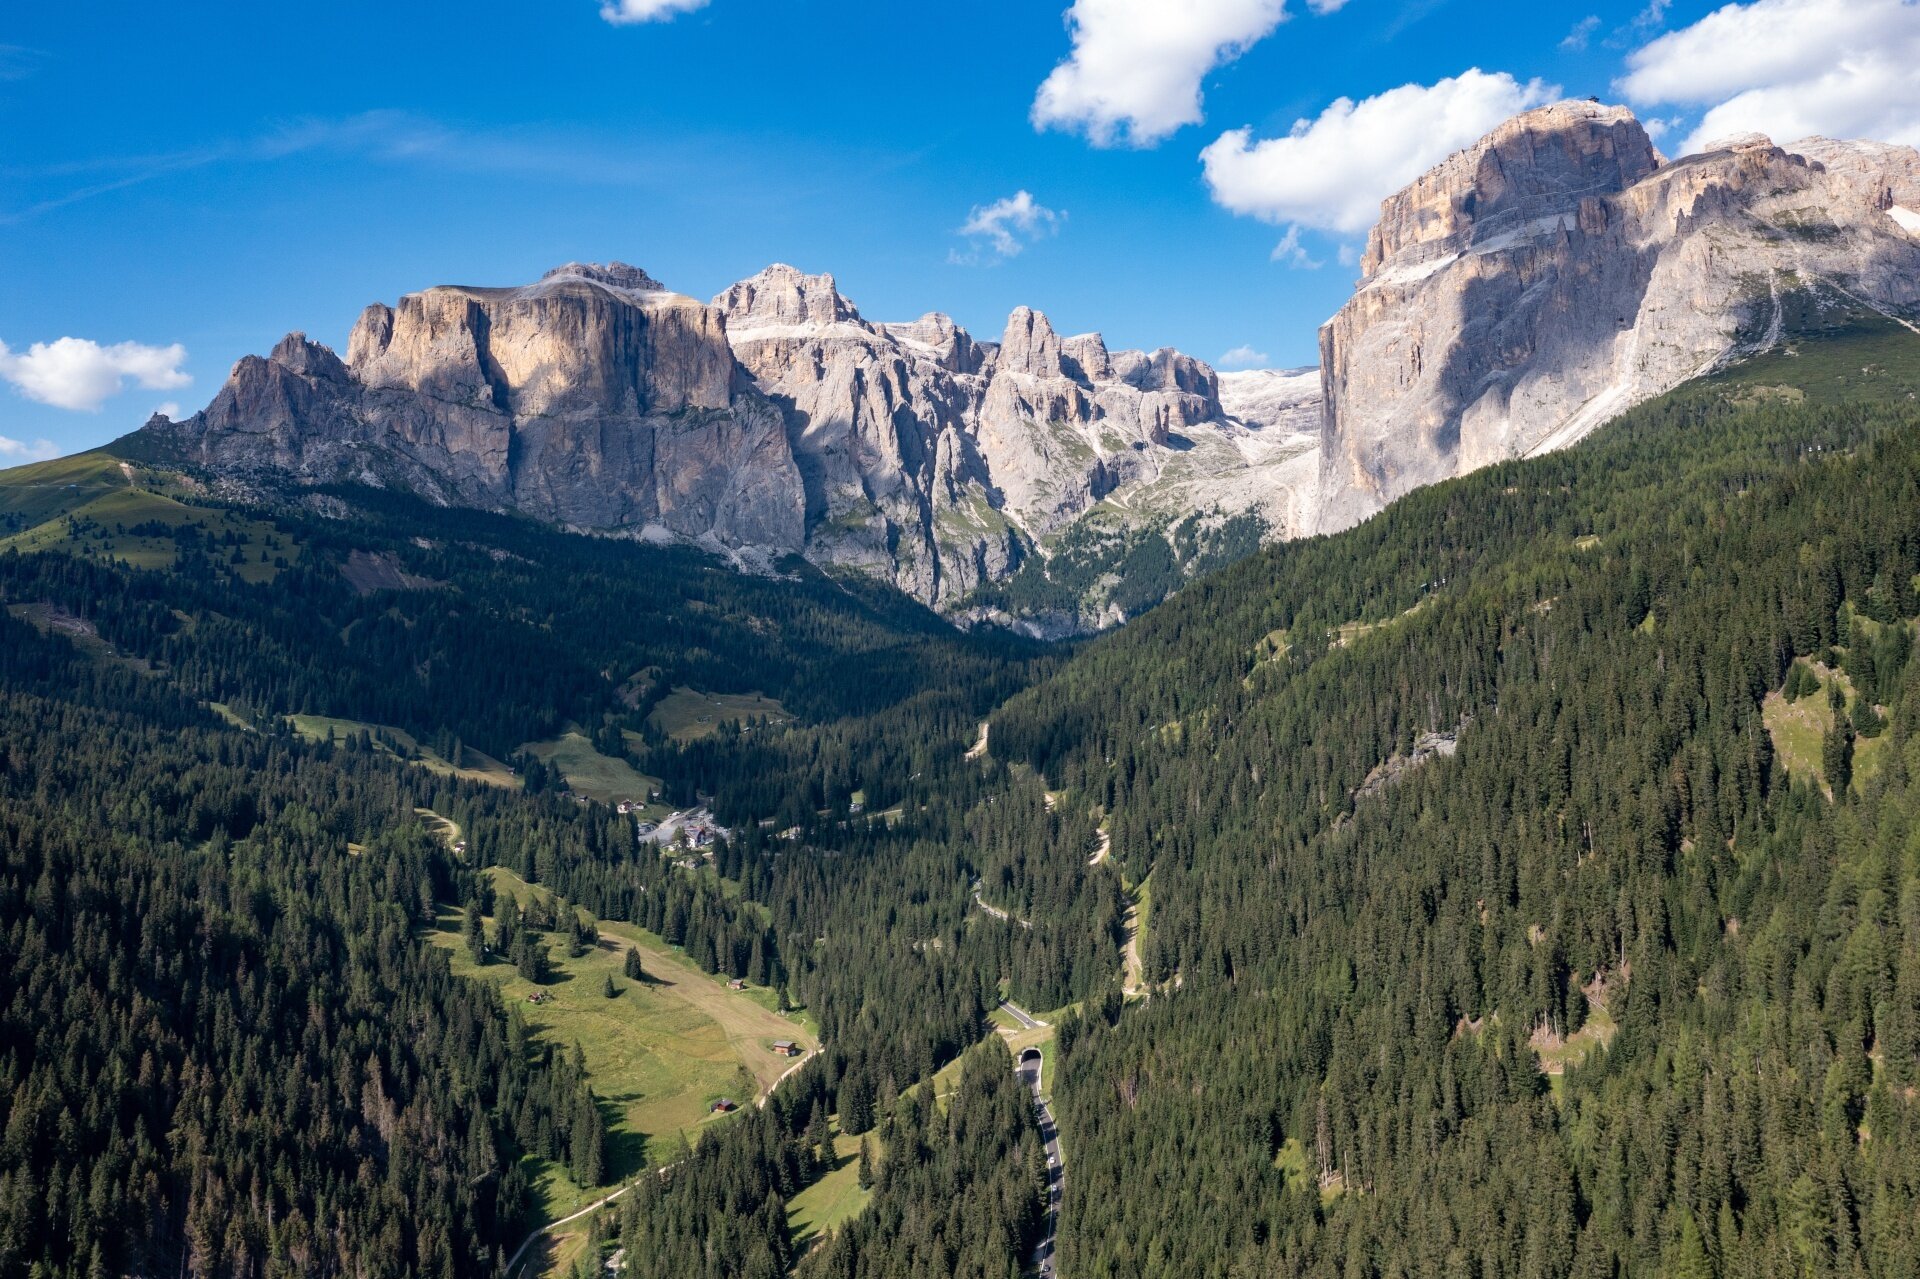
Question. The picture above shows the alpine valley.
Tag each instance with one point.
(590, 782)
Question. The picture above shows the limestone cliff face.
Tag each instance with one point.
(1519, 295)
(941, 461)
(776, 417)
(593, 398)
(1558, 272)
(877, 417)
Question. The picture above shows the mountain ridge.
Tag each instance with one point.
(775, 419)
(1512, 299)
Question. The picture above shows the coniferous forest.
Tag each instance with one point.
(1527, 883)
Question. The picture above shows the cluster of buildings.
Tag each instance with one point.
(694, 828)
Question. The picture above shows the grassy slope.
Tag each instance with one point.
(41, 491)
(475, 766)
(835, 1198)
(687, 714)
(84, 504)
(592, 774)
(1799, 729)
(659, 1052)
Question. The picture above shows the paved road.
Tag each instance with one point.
(1026, 1019)
(1031, 1066)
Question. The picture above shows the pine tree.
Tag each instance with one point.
(1836, 756)
(587, 1156)
(820, 1136)
(633, 968)
(1690, 1259)
(610, 990)
(531, 960)
(474, 932)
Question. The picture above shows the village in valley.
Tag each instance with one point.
(691, 832)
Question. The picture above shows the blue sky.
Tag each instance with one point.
(192, 181)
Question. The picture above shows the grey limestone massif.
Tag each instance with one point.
(1512, 299)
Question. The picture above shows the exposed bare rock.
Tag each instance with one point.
(940, 462)
(367, 572)
(1426, 748)
(1558, 272)
(938, 338)
(592, 398)
(878, 419)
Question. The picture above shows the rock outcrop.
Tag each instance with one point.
(941, 461)
(1514, 298)
(1559, 271)
(775, 418)
(593, 398)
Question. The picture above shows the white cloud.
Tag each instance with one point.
(1136, 66)
(169, 409)
(18, 451)
(1332, 172)
(1790, 68)
(17, 62)
(626, 12)
(75, 373)
(1347, 255)
(1243, 357)
(1007, 225)
(1293, 253)
(1582, 32)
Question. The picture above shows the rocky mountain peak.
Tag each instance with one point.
(940, 339)
(614, 275)
(782, 296)
(1539, 165)
(1539, 283)
(302, 355)
(1085, 355)
(1030, 345)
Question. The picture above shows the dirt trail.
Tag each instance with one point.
(1130, 951)
(553, 1226)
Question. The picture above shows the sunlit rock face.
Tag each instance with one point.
(1559, 271)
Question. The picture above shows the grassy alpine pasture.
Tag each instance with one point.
(595, 775)
(822, 1207)
(687, 715)
(659, 1053)
(474, 766)
(127, 519)
(33, 494)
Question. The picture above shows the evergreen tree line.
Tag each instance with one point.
(1610, 990)
(223, 1051)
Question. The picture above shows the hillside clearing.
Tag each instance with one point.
(1799, 729)
(821, 1208)
(475, 766)
(594, 775)
(687, 715)
(659, 1052)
